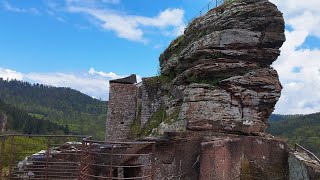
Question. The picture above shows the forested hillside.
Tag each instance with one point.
(21, 122)
(301, 129)
(64, 106)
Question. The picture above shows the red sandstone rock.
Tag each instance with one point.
(244, 157)
(221, 66)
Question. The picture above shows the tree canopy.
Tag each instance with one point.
(65, 107)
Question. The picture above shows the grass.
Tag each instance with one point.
(157, 118)
(172, 117)
(175, 47)
(138, 131)
(167, 78)
(136, 125)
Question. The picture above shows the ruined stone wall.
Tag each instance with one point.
(173, 159)
(192, 156)
(3, 122)
(150, 98)
(244, 157)
(122, 109)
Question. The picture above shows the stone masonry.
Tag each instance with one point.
(150, 98)
(122, 108)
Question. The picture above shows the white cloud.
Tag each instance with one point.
(94, 83)
(168, 22)
(92, 3)
(94, 86)
(293, 7)
(61, 19)
(111, 1)
(301, 93)
(12, 8)
(110, 75)
(10, 74)
(302, 15)
(131, 27)
(307, 21)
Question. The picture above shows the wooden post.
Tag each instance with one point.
(82, 163)
(111, 164)
(11, 156)
(47, 160)
(153, 159)
(2, 157)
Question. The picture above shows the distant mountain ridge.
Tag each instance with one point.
(64, 106)
(19, 121)
(301, 129)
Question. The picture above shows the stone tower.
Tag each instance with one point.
(122, 108)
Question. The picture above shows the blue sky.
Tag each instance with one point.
(66, 36)
(83, 44)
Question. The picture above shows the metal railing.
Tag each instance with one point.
(117, 160)
(2, 155)
(310, 154)
(210, 5)
(44, 157)
(40, 157)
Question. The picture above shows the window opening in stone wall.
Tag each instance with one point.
(132, 172)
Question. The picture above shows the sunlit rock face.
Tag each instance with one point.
(208, 108)
(218, 74)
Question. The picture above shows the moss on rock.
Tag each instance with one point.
(160, 116)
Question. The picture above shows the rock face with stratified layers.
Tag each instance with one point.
(208, 109)
(218, 74)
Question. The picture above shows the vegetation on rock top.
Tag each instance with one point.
(160, 116)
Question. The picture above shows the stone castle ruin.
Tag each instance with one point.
(203, 118)
(208, 109)
(215, 77)
(123, 102)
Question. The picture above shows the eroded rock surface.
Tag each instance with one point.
(218, 72)
(208, 109)
(302, 166)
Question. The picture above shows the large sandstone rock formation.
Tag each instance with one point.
(218, 74)
(214, 96)
(210, 105)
